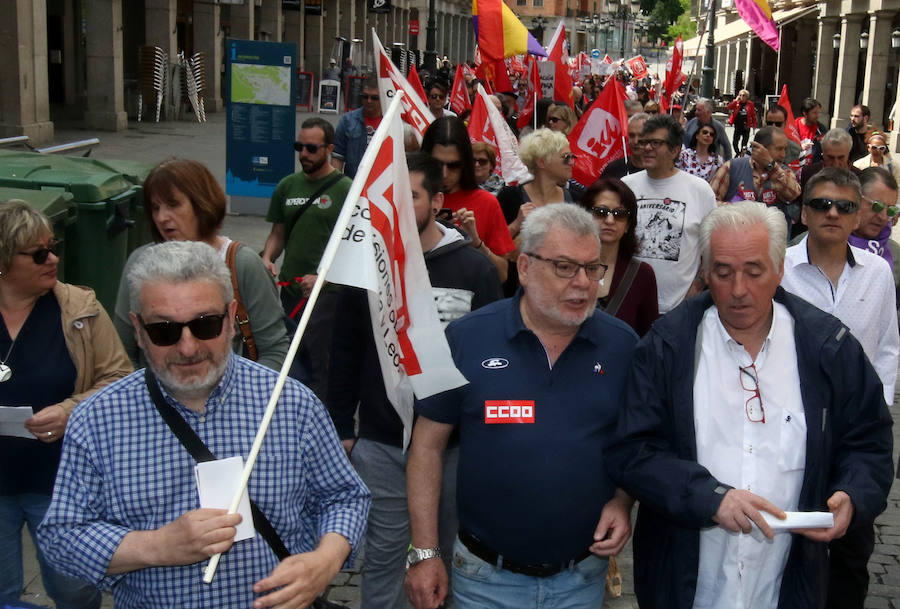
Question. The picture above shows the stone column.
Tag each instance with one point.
(208, 39)
(271, 19)
(293, 32)
(848, 60)
(313, 41)
(105, 87)
(877, 58)
(243, 24)
(730, 62)
(721, 81)
(24, 94)
(823, 80)
(159, 25)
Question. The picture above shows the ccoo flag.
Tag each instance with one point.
(599, 137)
(380, 252)
(415, 110)
(500, 33)
(758, 15)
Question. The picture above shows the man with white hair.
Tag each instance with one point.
(537, 514)
(703, 115)
(126, 513)
(742, 404)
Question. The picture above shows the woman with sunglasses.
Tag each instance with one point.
(700, 158)
(183, 202)
(560, 117)
(57, 347)
(485, 157)
(628, 291)
(879, 155)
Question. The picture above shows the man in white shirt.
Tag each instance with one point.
(671, 204)
(742, 404)
(857, 287)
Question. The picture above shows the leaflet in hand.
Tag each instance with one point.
(800, 520)
(12, 421)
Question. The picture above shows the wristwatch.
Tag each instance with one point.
(770, 166)
(417, 555)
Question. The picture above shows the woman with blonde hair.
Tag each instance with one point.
(561, 117)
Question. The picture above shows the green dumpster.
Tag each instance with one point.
(56, 205)
(97, 243)
(136, 172)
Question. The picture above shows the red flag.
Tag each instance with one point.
(416, 82)
(415, 110)
(480, 127)
(638, 67)
(534, 85)
(459, 96)
(599, 137)
(501, 77)
(559, 54)
(485, 73)
(790, 125)
(673, 67)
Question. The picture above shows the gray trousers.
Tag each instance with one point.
(383, 469)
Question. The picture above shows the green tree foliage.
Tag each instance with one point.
(664, 15)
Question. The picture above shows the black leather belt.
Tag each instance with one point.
(477, 547)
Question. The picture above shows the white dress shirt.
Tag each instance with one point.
(767, 458)
(864, 300)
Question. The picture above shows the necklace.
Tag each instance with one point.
(6, 371)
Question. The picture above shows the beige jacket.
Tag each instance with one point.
(92, 341)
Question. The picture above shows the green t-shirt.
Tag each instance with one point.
(305, 244)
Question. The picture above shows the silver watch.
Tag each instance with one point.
(417, 555)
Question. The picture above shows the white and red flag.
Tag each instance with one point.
(599, 137)
(459, 95)
(559, 54)
(486, 124)
(638, 67)
(390, 79)
(379, 251)
(416, 83)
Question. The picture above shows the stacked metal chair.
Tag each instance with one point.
(153, 81)
(193, 82)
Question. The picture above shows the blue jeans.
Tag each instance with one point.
(481, 585)
(67, 592)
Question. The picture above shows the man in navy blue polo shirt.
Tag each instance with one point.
(538, 516)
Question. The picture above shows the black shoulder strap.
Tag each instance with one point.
(312, 200)
(201, 453)
(622, 289)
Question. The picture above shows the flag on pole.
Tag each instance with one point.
(381, 253)
(390, 79)
(790, 125)
(416, 83)
(459, 95)
(486, 124)
(673, 68)
(559, 54)
(758, 15)
(599, 137)
(534, 90)
(500, 33)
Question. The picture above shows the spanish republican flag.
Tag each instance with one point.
(758, 15)
(500, 33)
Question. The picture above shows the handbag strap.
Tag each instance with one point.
(240, 315)
(622, 289)
(312, 201)
(201, 453)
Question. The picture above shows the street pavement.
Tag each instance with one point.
(154, 142)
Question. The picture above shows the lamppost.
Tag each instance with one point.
(709, 70)
(621, 12)
(430, 61)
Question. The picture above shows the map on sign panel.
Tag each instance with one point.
(256, 84)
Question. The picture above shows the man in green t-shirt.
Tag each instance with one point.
(303, 211)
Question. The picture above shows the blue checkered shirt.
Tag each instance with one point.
(123, 470)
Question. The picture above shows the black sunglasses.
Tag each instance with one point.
(774, 123)
(844, 206)
(40, 255)
(370, 97)
(454, 165)
(167, 333)
(310, 148)
(619, 213)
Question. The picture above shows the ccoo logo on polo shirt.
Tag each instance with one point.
(508, 411)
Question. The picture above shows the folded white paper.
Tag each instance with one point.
(216, 483)
(800, 520)
(12, 421)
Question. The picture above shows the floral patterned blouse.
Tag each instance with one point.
(689, 162)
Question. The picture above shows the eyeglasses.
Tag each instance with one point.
(454, 165)
(480, 161)
(568, 158)
(774, 123)
(843, 206)
(878, 148)
(654, 144)
(369, 97)
(437, 96)
(310, 148)
(41, 254)
(567, 269)
(167, 333)
(619, 213)
(753, 406)
(878, 206)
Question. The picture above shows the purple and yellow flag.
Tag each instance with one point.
(758, 15)
(500, 33)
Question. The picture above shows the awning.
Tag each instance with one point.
(738, 29)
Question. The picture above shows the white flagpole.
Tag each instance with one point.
(324, 264)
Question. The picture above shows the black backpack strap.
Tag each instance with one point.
(201, 453)
(312, 200)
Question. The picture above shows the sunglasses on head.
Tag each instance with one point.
(878, 206)
(167, 333)
(40, 255)
(369, 97)
(310, 148)
(619, 213)
(774, 123)
(844, 206)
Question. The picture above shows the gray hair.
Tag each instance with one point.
(837, 137)
(704, 101)
(565, 215)
(178, 262)
(842, 178)
(741, 215)
(640, 116)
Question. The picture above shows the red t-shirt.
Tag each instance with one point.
(488, 217)
(807, 132)
(371, 125)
